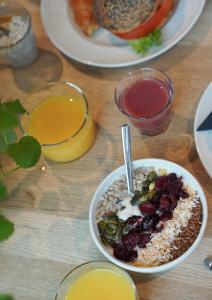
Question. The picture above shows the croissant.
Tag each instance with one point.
(84, 16)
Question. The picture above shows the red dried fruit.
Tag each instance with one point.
(155, 200)
(145, 238)
(134, 220)
(173, 202)
(159, 228)
(161, 184)
(133, 224)
(130, 240)
(147, 208)
(136, 230)
(164, 203)
(166, 216)
(149, 222)
(171, 185)
(182, 194)
(174, 183)
(123, 253)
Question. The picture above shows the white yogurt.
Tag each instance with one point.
(128, 210)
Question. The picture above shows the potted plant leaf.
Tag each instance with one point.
(24, 151)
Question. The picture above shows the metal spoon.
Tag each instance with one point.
(208, 262)
(126, 143)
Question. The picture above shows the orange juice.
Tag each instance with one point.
(101, 284)
(56, 119)
(63, 126)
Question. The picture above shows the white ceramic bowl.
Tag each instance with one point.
(188, 178)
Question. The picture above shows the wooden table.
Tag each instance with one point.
(50, 208)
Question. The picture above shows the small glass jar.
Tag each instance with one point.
(17, 40)
(59, 118)
(122, 282)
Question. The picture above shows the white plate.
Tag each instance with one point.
(104, 49)
(188, 179)
(203, 139)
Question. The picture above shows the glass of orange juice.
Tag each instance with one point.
(97, 280)
(59, 118)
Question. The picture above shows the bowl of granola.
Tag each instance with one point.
(158, 226)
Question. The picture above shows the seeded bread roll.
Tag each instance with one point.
(124, 15)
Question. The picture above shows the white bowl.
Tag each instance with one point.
(188, 178)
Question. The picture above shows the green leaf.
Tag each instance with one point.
(144, 44)
(6, 297)
(156, 37)
(26, 152)
(3, 145)
(7, 118)
(15, 107)
(3, 191)
(6, 228)
(7, 137)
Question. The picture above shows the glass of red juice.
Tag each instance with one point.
(146, 96)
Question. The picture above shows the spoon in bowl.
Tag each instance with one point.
(126, 143)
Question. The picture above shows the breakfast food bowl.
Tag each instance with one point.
(156, 228)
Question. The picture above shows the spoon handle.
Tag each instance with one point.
(126, 143)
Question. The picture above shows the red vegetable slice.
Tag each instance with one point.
(157, 20)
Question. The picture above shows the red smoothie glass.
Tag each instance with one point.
(145, 96)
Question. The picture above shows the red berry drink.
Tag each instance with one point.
(146, 98)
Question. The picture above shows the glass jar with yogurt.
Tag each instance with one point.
(17, 40)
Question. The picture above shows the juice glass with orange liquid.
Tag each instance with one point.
(60, 120)
(97, 280)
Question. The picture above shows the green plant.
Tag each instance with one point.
(144, 44)
(24, 151)
(6, 297)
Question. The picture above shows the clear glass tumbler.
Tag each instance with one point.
(17, 40)
(86, 287)
(60, 119)
(145, 97)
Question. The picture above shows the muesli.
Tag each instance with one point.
(154, 226)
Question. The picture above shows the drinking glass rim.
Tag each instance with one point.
(103, 262)
(15, 3)
(76, 88)
(131, 74)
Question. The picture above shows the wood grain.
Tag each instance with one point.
(50, 208)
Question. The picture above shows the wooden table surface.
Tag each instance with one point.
(50, 208)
